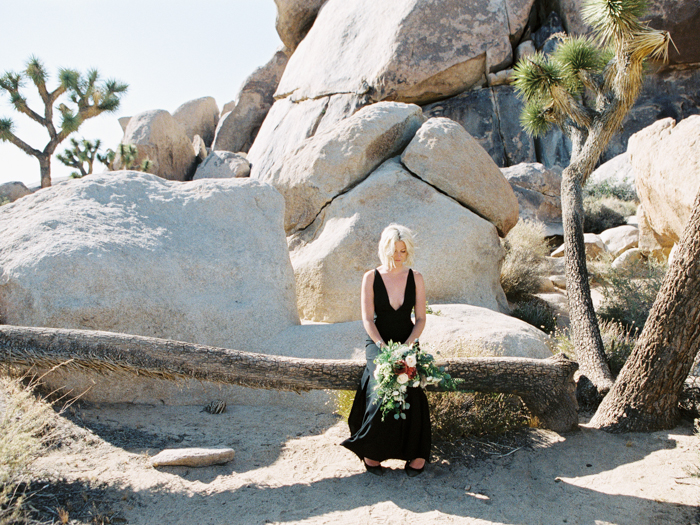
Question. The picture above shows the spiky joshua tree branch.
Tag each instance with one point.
(85, 99)
(586, 87)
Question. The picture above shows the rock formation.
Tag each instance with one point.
(665, 158)
(163, 140)
(204, 261)
(459, 253)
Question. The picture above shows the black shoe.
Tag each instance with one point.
(413, 472)
(377, 470)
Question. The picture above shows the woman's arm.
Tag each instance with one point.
(419, 309)
(367, 302)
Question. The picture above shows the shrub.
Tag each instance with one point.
(629, 293)
(23, 435)
(601, 214)
(524, 264)
(456, 415)
(623, 192)
(537, 312)
(618, 342)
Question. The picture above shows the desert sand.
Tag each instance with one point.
(289, 468)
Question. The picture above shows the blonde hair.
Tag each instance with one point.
(387, 244)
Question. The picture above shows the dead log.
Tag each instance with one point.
(546, 386)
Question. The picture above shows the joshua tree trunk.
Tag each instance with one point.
(584, 324)
(45, 167)
(645, 396)
(546, 386)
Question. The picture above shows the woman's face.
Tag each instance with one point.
(400, 253)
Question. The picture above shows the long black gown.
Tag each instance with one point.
(372, 438)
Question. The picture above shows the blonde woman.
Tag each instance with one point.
(389, 294)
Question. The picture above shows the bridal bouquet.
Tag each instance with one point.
(400, 366)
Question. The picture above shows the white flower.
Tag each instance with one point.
(402, 379)
(377, 374)
(403, 388)
(395, 393)
(411, 360)
(416, 383)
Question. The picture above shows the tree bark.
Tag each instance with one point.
(645, 396)
(585, 332)
(546, 386)
(45, 169)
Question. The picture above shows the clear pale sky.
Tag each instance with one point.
(168, 53)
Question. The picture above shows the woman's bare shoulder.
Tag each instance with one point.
(368, 276)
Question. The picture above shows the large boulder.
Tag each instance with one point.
(620, 239)
(458, 252)
(294, 19)
(444, 155)
(11, 191)
(665, 158)
(538, 190)
(413, 51)
(198, 117)
(204, 262)
(222, 165)
(615, 173)
(462, 330)
(681, 18)
(329, 163)
(289, 123)
(241, 119)
(479, 112)
(163, 140)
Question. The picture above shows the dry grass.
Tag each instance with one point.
(524, 264)
(25, 430)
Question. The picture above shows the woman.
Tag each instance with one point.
(389, 293)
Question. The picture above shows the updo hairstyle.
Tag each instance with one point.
(387, 244)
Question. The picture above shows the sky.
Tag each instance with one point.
(168, 53)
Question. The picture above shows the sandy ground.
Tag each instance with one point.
(289, 468)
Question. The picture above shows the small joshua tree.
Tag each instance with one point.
(128, 155)
(81, 156)
(83, 92)
(586, 88)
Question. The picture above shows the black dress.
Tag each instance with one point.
(372, 438)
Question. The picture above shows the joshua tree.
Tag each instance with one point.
(128, 155)
(586, 88)
(646, 393)
(88, 98)
(81, 156)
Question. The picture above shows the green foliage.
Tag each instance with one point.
(613, 19)
(81, 156)
(429, 310)
(128, 159)
(88, 97)
(604, 213)
(623, 192)
(619, 342)
(629, 293)
(524, 264)
(576, 55)
(537, 312)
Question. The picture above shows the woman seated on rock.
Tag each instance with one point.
(389, 294)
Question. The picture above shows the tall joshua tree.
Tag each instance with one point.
(83, 92)
(586, 88)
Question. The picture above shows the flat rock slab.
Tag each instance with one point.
(192, 457)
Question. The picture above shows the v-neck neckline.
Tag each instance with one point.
(386, 290)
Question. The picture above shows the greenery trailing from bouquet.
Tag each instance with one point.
(399, 367)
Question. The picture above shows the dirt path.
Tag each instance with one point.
(289, 469)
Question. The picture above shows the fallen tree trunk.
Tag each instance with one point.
(546, 386)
